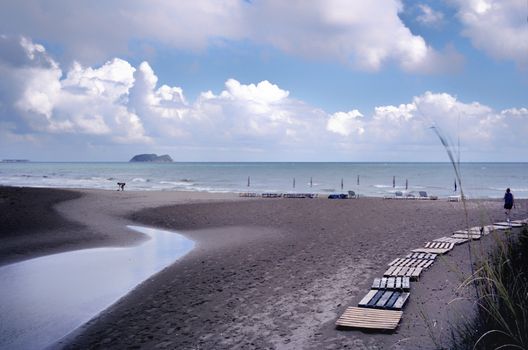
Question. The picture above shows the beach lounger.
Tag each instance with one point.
(454, 198)
(398, 195)
(271, 195)
(352, 194)
(338, 196)
(247, 194)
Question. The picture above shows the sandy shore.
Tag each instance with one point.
(266, 273)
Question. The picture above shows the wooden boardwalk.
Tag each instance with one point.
(381, 307)
(359, 317)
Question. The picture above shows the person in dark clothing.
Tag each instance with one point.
(508, 203)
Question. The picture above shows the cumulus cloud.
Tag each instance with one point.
(117, 103)
(497, 27)
(37, 98)
(479, 127)
(362, 34)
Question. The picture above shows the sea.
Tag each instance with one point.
(478, 180)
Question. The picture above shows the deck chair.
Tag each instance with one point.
(352, 194)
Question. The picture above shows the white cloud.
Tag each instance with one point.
(117, 103)
(346, 123)
(429, 16)
(362, 34)
(497, 27)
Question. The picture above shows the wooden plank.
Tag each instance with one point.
(390, 282)
(392, 300)
(376, 283)
(427, 264)
(398, 284)
(396, 271)
(508, 224)
(395, 261)
(383, 283)
(367, 297)
(375, 298)
(403, 271)
(390, 271)
(357, 317)
(416, 272)
(384, 298)
(406, 283)
(400, 303)
(499, 227)
(431, 250)
(465, 236)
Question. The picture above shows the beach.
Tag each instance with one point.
(265, 273)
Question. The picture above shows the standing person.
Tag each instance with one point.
(508, 203)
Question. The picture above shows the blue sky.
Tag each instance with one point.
(263, 80)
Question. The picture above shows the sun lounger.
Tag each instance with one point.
(352, 194)
(338, 196)
(271, 195)
(247, 194)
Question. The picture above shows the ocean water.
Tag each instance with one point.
(479, 180)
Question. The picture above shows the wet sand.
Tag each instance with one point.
(266, 273)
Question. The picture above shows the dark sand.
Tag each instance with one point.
(266, 273)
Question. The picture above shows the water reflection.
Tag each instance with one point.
(44, 299)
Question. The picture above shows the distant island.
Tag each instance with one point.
(151, 158)
(15, 160)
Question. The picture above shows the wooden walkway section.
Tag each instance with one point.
(466, 236)
(409, 262)
(454, 240)
(381, 307)
(508, 224)
(435, 248)
(384, 299)
(428, 256)
(359, 317)
(392, 283)
(400, 271)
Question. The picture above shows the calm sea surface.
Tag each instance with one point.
(479, 180)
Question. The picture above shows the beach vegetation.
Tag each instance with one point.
(498, 283)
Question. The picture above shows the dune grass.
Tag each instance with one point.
(501, 321)
(499, 281)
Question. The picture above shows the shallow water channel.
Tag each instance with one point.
(46, 298)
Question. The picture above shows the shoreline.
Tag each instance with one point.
(268, 272)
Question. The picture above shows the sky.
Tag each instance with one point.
(254, 80)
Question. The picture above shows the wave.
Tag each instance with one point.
(177, 183)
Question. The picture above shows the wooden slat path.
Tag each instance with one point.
(522, 222)
(358, 317)
(439, 245)
(499, 227)
(384, 299)
(507, 224)
(431, 250)
(392, 283)
(410, 262)
(466, 236)
(400, 271)
(453, 240)
(428, 256)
